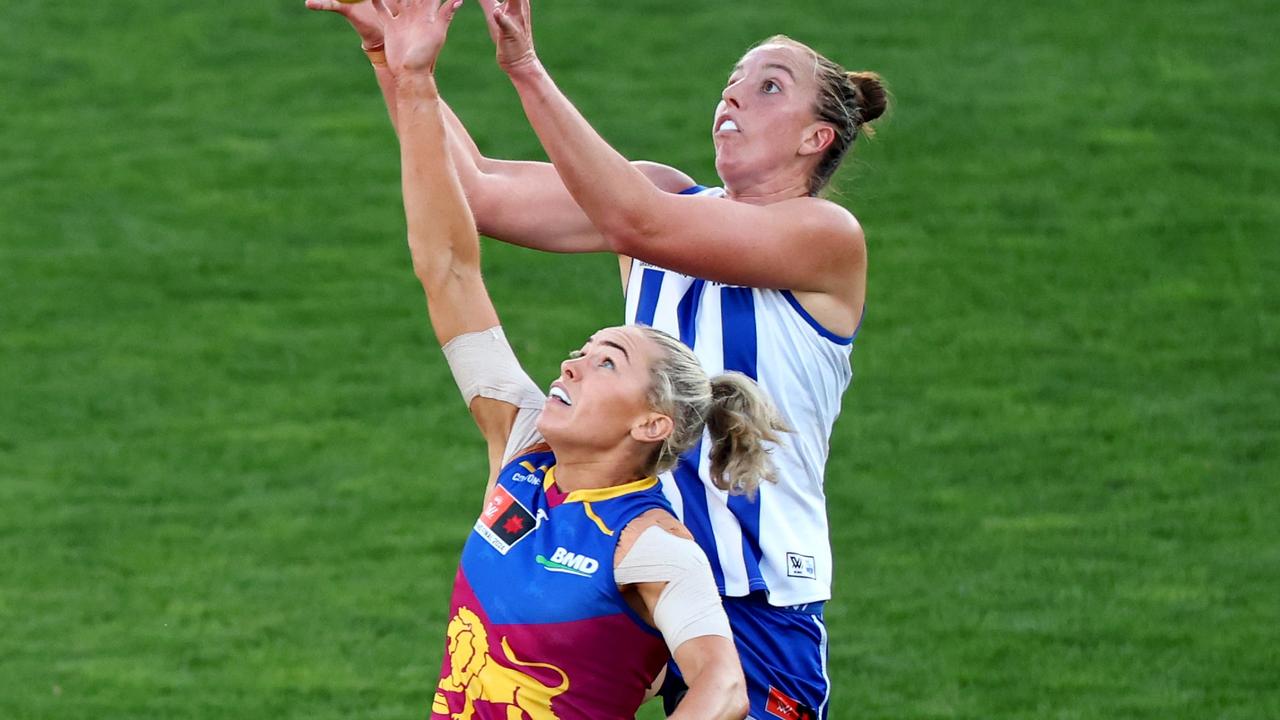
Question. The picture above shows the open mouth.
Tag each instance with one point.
(727, 125)
(558, 393)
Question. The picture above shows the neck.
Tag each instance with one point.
(590, 471)
(767, 190)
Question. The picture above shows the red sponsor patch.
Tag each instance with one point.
(786, 707)
(504, 520)
(498, 503)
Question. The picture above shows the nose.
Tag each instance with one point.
(569, 369)
(730, 95)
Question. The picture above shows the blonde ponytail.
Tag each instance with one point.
(741, 421)
(736, 412)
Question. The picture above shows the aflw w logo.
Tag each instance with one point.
(568, 562)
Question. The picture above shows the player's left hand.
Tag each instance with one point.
(511, 28)
(414, 32)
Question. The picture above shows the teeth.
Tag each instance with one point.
(560, 395)
(728, 126)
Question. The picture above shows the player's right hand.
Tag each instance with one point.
(362, 16)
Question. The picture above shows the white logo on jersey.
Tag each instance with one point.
(569, 562)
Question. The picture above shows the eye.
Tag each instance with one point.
(770, 87)
(607, 363)
(576, 354)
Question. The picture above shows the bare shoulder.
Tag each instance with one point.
(656, 517)
(665, 177)
(822, 214)
(828, 226)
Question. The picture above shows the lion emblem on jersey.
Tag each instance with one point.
(474, 674)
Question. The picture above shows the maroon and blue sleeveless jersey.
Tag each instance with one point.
(538, 628)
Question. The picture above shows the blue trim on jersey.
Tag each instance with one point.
(650, 291)
(693, 190)
(738, 317)
(696, 515)
(687, 312)
(838, 339)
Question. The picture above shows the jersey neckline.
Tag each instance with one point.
(599, 494)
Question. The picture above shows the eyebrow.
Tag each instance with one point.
(775, 66)
(611, 343)
(783, 68)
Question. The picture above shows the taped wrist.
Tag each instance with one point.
(689, 606)
(483, 365)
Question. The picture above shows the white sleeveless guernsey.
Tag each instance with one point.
(779, 542)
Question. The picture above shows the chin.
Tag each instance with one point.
(723, 169)
(546, 429)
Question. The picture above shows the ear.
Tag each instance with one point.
(817, 138)
(654, 427)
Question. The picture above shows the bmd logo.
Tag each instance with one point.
(568, 562)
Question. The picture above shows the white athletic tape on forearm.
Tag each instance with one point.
(689, 606)
(483, 365)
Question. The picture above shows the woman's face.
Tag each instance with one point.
(602, 393)
(765, 119)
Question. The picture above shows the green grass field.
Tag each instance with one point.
(235, 476)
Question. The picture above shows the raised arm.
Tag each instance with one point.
(442, 235)
(802, 244)
(441, 232)
(519, 202)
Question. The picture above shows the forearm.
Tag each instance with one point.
(462, 148)
(718, 693)
(466, 157)
(518, 202)
(611, 191)
(442, 235)
(386, 83)
(439, 223)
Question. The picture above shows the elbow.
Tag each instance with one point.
(438, 277)
(483, 204)
(629, 234)
(630, 227)
(738, 705)
(729, 691)
(439, 272)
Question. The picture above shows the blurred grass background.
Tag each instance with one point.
(234, 474)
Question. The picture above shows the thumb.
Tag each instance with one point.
(505, 23)
(448, 10)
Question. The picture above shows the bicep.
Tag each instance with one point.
(696, 655)
(801, 244)
(495, 419)
(526, 203)
(659, 560)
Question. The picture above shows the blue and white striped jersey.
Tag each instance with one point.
(779, 542)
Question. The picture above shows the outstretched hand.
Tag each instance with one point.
(362, 16)
(511, 28)
(414, 31)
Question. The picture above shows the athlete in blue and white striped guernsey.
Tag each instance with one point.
(778, 542)
(771, 554)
